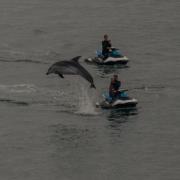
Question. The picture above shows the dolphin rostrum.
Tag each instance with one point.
(71, 67)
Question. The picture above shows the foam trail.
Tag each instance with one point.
(18, 88)
(86, 102)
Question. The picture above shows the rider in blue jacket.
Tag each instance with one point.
(106, 46)
(114, 87)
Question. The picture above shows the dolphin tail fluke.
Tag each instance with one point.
(93, 86)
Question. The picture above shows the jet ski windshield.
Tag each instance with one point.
(116, 53)
(122, 95)
(113, 53)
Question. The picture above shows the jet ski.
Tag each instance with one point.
(123, 101)
(115, 57)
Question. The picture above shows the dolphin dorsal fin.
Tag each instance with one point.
(75, 59)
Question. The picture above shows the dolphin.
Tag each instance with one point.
(71, 67)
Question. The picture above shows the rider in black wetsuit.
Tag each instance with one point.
(114, 87)
(106, 46)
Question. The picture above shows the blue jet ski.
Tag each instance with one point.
(122, 101)
(115, 57)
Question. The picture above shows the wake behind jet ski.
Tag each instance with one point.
(71, 67)
(108, 55)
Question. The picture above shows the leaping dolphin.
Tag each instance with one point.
(71, 67)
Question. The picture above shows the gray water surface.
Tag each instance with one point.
(50, 128)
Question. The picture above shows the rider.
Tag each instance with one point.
(106, 46)
(114, 87)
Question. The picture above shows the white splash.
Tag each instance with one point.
(86, 101)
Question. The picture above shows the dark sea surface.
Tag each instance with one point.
(50, 128)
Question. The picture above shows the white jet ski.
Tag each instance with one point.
(115, 57)
(123, 101)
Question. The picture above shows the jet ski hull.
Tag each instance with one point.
(109, 61)
(130, 103)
